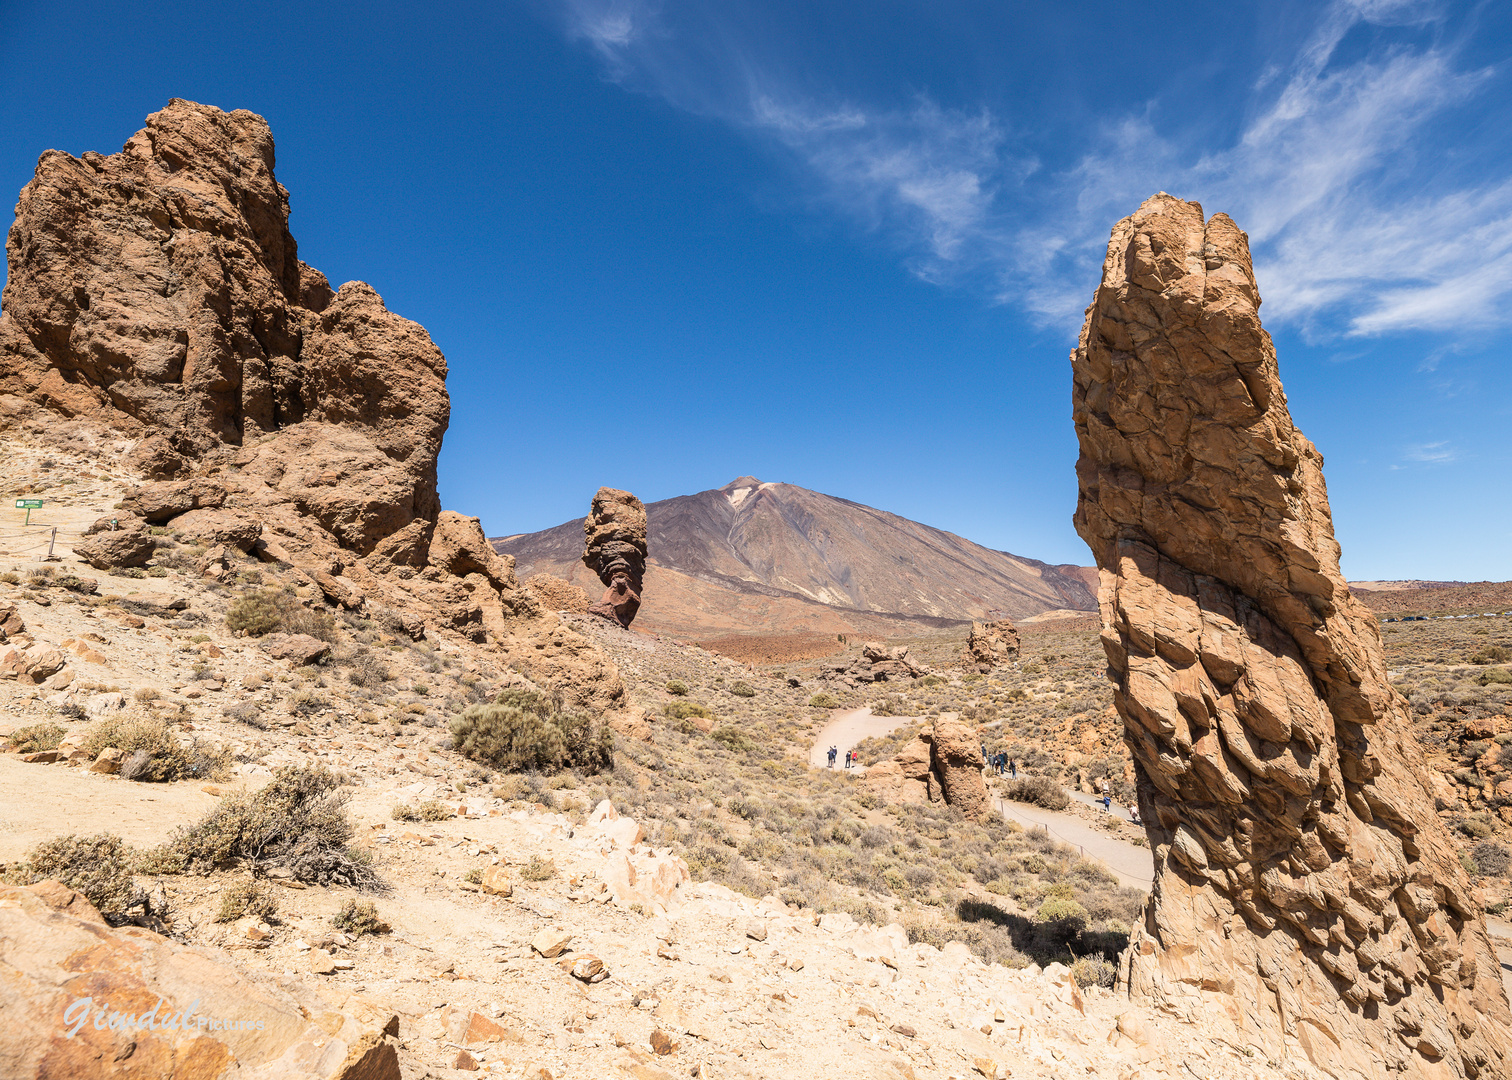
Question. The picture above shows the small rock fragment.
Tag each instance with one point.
(464, 1060)
(661, 1043)
(550, 942)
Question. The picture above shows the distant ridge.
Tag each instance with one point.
(769, 557)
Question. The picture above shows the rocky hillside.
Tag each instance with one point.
(766, 556)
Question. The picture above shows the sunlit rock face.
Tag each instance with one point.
(1304, 887)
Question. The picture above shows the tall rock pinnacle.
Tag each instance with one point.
(615, 549)
(1304, 887)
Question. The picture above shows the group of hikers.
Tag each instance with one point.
(1000, 762)
(851, 757)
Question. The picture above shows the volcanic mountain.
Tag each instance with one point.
(754, 556)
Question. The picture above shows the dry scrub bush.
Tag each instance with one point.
(358, 917)
(824, 700)
(429, 810)
(677, 687)
(266, 611)
(538, 869)
(168, 758)
(684, 710)
(297, 822)
(99, 866)
(522, 730)
(250, 899)
(29, 740)
(1038, 790)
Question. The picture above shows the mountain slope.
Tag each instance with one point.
(755, 555)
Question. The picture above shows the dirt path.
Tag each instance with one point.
(43, 801)
(1133, 866)
(846, 729)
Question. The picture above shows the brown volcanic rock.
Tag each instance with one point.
(157, 292)
(615, 550)
(1303, 882)
(558, 595)
(160, 289)
(67, 974)
(993, 643)
(944, 762)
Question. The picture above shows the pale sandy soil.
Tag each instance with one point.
(846, 729)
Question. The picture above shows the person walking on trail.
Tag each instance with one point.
(1012, 769)
(1107, 796)
(832, 752)
(850, 756)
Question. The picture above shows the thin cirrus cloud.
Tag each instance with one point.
(1350, 238)
(1433, 453)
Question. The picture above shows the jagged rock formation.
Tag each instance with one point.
(878, 663)
(943, 763)
(1304, 887)
(157, 294)
(615, 550)
(994, 643)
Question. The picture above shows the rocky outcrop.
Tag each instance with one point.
(615, 550)
(161, 287)
(877, 663)
(558, 595)
(943, 763)
(157, 295)
(82, 999)
(1304, 887)
(992, 643)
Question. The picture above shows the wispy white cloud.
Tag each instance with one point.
(1433, 453)
(1347, 239)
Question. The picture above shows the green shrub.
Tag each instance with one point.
(1499, 676)
(1038, 790)
(266, 611)
(824, 700)
(743, 689)
(734, 738)
(1064, 912)
(523, 731)
(98, 866)
(1491, 654)
(358, 917)
(29, 740)
(683, 710)
(251, 899)
(677, 687)
(297, 822)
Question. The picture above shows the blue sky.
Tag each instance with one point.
(665, 243)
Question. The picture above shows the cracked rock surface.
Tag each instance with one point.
(1304, 888)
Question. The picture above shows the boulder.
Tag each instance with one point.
(161, 501)
(32, 664)
(657, 882)
(108, 761)
(300, 648)
(615, 550)
(943, 763)
(1287, 801)
(127, 545)
(955, 757)
(10, 623)
(550, 942)
(458, 547)
(993, 643)
(155, 459)
(99, 706)
(178, 1010)
(217, 528)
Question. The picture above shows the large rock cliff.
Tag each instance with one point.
(1304, 887)
(156, 296)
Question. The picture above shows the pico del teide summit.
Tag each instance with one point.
(1305, 892)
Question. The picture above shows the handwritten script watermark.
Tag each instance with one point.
(106, 1019)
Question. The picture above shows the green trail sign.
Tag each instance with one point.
(28, 505)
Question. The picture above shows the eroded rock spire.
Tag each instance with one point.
(1304, 887)
(615, 549)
